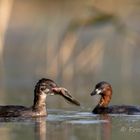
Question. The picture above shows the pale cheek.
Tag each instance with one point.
(98, 91)
(47, 90)
(43, 95)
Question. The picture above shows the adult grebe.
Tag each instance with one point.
(104, 89)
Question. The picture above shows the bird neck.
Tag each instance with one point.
(39, 104)
(104, 101)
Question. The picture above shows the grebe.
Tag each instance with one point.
(43, 88)
(104, 89)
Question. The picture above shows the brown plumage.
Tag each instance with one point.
(104, 89)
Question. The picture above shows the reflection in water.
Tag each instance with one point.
(106, 127)
(40, 128)
(71, 125)
(38, 123)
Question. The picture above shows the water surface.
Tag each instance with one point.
(71, 125)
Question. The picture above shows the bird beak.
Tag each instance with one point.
(66, 95)
(96, 92)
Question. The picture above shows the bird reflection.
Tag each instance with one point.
(40, 128)
(39, 124)
(106, 127)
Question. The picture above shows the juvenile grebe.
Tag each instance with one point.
(43, 88)
(104, 89)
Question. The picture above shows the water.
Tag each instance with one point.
(71, 125)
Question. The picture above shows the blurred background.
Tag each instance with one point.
(76, 43)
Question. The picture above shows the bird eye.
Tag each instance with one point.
(52, 85)
(42, 87)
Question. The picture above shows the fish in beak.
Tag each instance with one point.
(65, 94)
